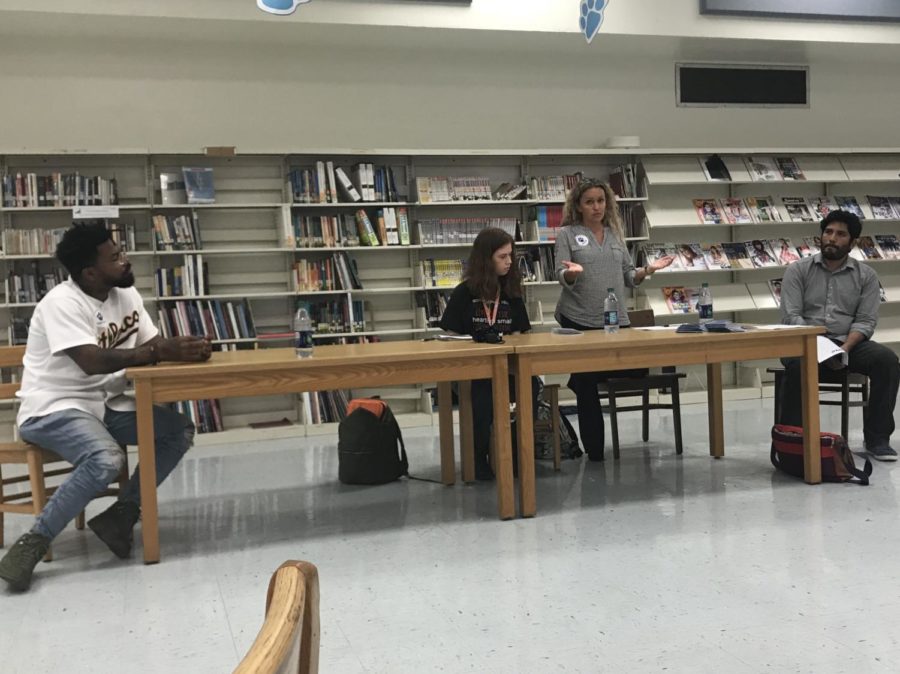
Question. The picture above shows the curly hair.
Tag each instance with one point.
(78, 248)
(481, 275)
(851, 220)
(611, 217)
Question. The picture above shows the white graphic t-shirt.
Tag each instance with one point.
(68, 317)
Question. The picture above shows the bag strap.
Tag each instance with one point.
(860, 477)
(404, 461)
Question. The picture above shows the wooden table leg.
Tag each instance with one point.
(715, 411)
(525, 424)
(809, 378)
(147, 462)
(506, 502)
(445, 424)
(466, 432)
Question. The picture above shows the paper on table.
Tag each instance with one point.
(827, 349)
(454, 338)
(658, 327)
(775, 326)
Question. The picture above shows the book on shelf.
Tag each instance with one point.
(441, 273)
(762, 209)
(775, 289)
(30, 287)
(31, 241)
(798, 209)
(206, 415)
(172, 189)
(882, 295)
(436, 189)
(180, 232)
(510, 191)
(870, 248)
(737, 255)
(403, 226)
(889, 245)
(549, 219)
(691, 257)
(188, 279)
(849, 204)
(555, 188)
(432, 304)
(199, 185)
(680, 300)
(461, 230)
(367, 233)
(736, 211)
(822, 206)
(789, 169)
(708, 211)
(18, 330)
(882, 208)
(761, 253)
(715, 256)
(785, 251)
(346, 188)
(657, 251)
(335, 315)
(622, 180)
(362, 175)
(714, 169)
(537, 264)
(336, 272)
(214, 319)
(123, 235)
(325, 407)
(762, 169)
(56, 190)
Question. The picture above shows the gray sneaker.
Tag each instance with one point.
(882, 453)
(18, 564)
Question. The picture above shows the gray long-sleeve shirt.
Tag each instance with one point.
(606, 265)
(842, 301)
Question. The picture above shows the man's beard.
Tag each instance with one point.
(832, 252)
(126, 281)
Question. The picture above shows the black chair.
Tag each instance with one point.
(640, 385)
(842, 382)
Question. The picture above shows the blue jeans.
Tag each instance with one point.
(94, 447)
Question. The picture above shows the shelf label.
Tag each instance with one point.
(94, 212)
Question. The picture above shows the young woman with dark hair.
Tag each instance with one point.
(487, 305)
(591, 256)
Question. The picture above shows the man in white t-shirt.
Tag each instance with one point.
(83, 335)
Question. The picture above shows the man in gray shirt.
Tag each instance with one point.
(835, 291)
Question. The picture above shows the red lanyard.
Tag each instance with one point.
(491, 317)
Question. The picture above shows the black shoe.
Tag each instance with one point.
(114, 527)
(882, 452)
(17, 566)
(595, 456)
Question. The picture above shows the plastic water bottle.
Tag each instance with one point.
(705, 306)
(303, 334)
(611, 312)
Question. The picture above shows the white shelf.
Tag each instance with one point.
(385, 291)
(226, 296)
(218, 206)
(479, 202)
(354, 204)
(353, 249)
(64, 209)
(263, 250)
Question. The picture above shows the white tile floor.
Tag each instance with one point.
(653, 563)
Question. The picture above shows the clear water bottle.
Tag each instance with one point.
(303, 334)
(704, 305)
(611, 312)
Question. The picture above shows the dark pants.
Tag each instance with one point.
(873, 360)
(483, 413)
(590, 411)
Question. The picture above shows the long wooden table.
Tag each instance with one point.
(276, 371)
(546, 353)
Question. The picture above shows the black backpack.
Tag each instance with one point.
(368, 439)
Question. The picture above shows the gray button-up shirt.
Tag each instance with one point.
(606, 265)
(842, 301)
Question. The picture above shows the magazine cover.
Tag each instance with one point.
(762, 169)
(737, 255)
(812, 243)
(678, 299)
(789, 168)
(763, 209)
(870, 248)
(881, 294)
(714, 169)
(784, 250)
(881, 208)
(708, 211)
(822, 206)
(856, 252)
(895, 205)
(775, 288)
(889, 245)
(798, 209)
(761, 254)
(735, 211)
(656, 251)
(714, 255)
(198, 183)
(691, 256)
(851, 205)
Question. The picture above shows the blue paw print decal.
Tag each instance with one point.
(591, 17)
(280, 6)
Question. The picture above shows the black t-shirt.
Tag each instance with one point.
(465, 314)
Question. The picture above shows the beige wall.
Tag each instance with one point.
(104, 84)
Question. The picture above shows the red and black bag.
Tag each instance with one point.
(838, 464)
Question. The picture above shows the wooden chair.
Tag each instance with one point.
(842, 382)
(289, 638)
(35, 458)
